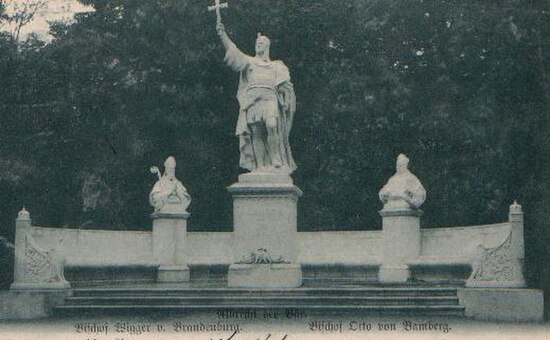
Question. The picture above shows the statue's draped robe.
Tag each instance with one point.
(169, 191)
(404, 186)
(240, 62)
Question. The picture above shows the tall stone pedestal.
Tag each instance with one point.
(169, 239)
(264, 215)
(401, 239)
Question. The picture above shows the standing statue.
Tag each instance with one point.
(267, 105)
(168, 194)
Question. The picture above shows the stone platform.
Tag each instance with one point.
(264, 275)
(503, 304)
(171, 298)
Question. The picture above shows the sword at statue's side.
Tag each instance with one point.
(216, 7)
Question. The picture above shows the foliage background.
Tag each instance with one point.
(461, 87)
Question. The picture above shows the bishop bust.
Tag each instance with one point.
(168, 194)
(403, 190)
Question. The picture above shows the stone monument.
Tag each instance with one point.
(170, 201)
(265, 199)
(500, 264)
(402, 195)
(36, 267)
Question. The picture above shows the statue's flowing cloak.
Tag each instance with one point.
(162, 189)
(238, 61)
(405, 185)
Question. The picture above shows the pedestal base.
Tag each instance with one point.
(504, 304)
(26, 303)
(264, 218)
(173, 274)
(394, 274)
(264, 276)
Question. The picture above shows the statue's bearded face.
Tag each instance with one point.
(262, 46)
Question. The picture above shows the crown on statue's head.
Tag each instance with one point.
(264, 38)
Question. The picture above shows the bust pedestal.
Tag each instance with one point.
(402, 240)
(169, 238)
(264, 219)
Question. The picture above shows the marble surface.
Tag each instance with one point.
(403, 190)
(267, 104)
(168, 194)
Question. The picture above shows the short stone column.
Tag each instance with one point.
(170, 199)
(265, 232)
(401, 240)
(169, 245)
(402, 196)
(515, 218)
(22, 228)
(35, 267)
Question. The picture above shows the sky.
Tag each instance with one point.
(52, 11)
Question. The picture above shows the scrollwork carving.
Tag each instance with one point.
(42, 266)
(495, 264)
(261, 256)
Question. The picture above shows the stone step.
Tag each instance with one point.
(384, 300)
(320, 292)
(447, 310)
(261, 300)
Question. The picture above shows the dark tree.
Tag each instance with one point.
(460, 87)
